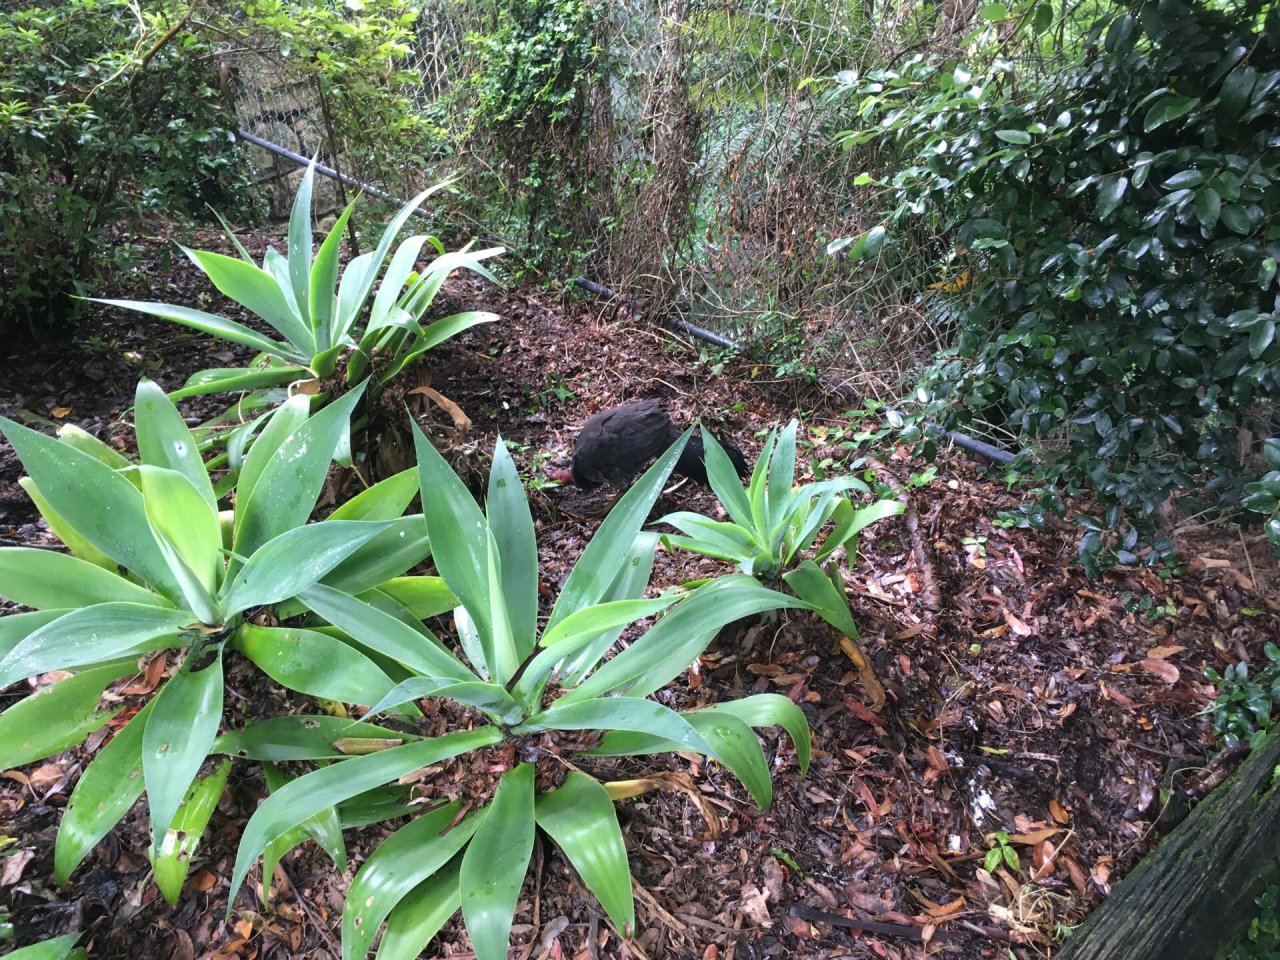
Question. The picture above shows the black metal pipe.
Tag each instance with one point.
(323, 170)
(965, 442)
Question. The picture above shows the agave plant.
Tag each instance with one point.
(319, 316)
(526, 681)
(153, 565)
(774, 522)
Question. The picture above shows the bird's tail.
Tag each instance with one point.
(692, 462)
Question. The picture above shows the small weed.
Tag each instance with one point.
(977, 545)
(1148, 606)
(1243, 708)
(1001, 852)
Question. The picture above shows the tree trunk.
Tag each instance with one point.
(1193, 897)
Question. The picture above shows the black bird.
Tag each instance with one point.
(614, 445)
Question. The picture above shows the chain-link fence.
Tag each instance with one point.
(711, 184)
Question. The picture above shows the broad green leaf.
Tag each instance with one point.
(286, 490)
(630, 583)
(735, 745)
(580, 818)
(489, 698)
(668, 648)
(58, 717)
(436, 334)
(512, 528)
(212, 324)
(165, 441)
(459, 536)
(178, 737)
(1167, 109)
(393, 281)
(46, 580)
(848, 522)
(501, 656)
(300, 799)
(495, 863)
(186, 528)
(86, 442)
(1261, 337)
(421, 913)
(59, 948)
(299, 250)
(767, 710)
(236, 379)
(724, 480)
(1110, 192)
(109, 787)
(78, 545)
(313, 663)
(618, 713)
(94, 500)
(106, 631)
(324, 282)
(258, 292)
(16, 627)
(402, 861)
(385, 634)
(814, 587)
(608, 549)
(285, 739)
(325, 828)
(173, 860)
(293, 561)
(1019, 137)
(424, 597)
(385, 500)
(401, 546)
(280, 424)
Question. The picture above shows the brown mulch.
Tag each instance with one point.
(1034, 702)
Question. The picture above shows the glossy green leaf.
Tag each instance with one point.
(44, 579)
(813, 586)
(489, 698)
(1167, 109)
(280, 425)
(96, 501)
(186, 529)
(299, 253)
(735, 745)
(107, 631)
(325, 828)
(294, 560)
(173, 860)
(309, 794)
(314, 663)
(257, 291)
(724, 480)
(59, 948)
(385, 634)
(580, 817)
(109, 787)
(618, 713)
(293, 738)
(421, 913)
(178, 736)
(459, 536)
(323, 293)
(58, 717)
(236, 379)
(402, 861)
(385, 500)
(86, 442)
(80, 547)
(767, 710)
(849, 522)
(666, 650)
(285, 493)
(1261, 337)
(608, 549)
(512, 526)
(16, 627)
(211, 324)
(1110, 192)
(495, 863)
(401, 546)
(165, 441)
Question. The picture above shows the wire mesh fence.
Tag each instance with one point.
(708, 182)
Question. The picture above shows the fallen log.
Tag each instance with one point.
(1194, 895)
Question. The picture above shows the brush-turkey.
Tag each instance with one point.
(614, 445)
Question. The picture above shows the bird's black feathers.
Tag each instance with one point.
(614, 445)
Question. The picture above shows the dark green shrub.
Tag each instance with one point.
(103, 112)
(1119, 222)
